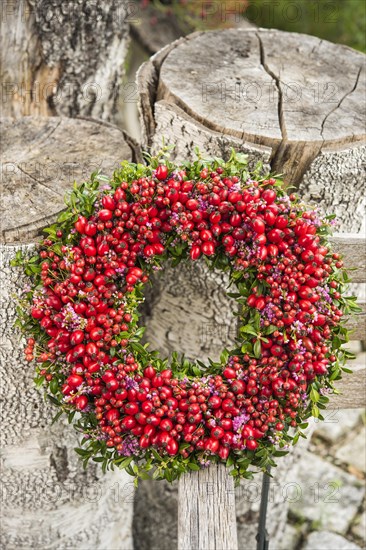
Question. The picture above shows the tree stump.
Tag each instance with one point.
(280, 97)
(63, 58)
(280, 94)
(48, 500)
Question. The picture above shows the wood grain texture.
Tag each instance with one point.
(335, 182)
(41, 159)
(172, 119)
(49, 501)
(352, 389)
(206, 510)
(147, 79)
(353, 249)
(357, 323)
(63, 58)
(281, 91)
(279, 61)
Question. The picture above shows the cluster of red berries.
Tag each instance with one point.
(91, 276)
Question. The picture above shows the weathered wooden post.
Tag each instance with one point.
(47, 499)
(206, 510)
(281, 98)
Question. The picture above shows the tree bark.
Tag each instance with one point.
(48, 500)
(63, 58)
(198, 91)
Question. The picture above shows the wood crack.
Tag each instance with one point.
(277, 154)
(316, 47)
(51, 132)
(277, 81)
(340, 102)
(148, 78)
(38, 181)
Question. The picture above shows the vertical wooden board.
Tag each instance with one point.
(206, 510)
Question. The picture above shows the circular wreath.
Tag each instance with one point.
(134, 409)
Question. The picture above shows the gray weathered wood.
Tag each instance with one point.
(352, 389)
(206, 325)
(193, 316)
(199, 91)
(353, 249)
(41, 159)
(206, 510)
(270, 94)
(63, 58)
(48, 500)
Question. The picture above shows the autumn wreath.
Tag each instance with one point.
(138, 411)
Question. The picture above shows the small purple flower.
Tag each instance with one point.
(324, 292)
(131, 384)
(203, 205)
(325, 391)
(130, 446)
(204, 463)
(239, 421)
(71, 319)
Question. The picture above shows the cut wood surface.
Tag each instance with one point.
(41, 159)
(352, 388)
(281, 90)
(48, 500)
(357, 323)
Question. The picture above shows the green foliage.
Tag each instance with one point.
(340, 21)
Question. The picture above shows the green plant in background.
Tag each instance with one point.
(340, 21)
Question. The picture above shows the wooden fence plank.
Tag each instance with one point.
(352, 388)
(206, 510)
(353, 249)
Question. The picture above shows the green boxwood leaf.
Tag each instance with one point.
(257, 349)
